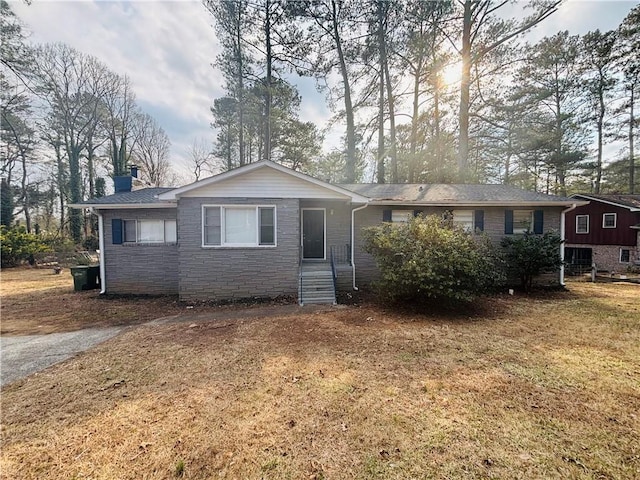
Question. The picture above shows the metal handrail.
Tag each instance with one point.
(334, 274)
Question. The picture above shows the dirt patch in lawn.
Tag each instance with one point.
(37, 301)
(542, 388)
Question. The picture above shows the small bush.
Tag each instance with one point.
(428, 258)
(91, 243)
(17, 246)
(530, 255)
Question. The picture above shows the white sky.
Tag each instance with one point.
(167, 49)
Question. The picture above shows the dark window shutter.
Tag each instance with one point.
(116, 231)
(479, 220)
(538, 221)
(386, 215)
(417, 212)
(508, 222)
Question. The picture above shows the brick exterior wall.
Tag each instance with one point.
(217, 273)
(366, 270)
(210, 273)
(607, 257)
(142, 269)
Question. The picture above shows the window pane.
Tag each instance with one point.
(129, 230)
(609, 220)
(624, 256)
(170, 231)
(582, 224)
(464, 219)
(522, 221)
(401, 216)
(212, 226)
(267, 224)
(150, 231)
(240, 225)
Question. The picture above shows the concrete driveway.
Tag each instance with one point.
(23, 355)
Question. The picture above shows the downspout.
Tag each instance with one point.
(103, 281)
(562, 237)
(353, 242)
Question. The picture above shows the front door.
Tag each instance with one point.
(313, 233)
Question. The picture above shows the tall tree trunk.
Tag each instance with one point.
(26, 207)
(600, 126)
(350, 166)
(92, 188)
(229, 143)
(240, 86)
(392, 120)
(465, 86)
(62, 187)
(414, 123)
(632, 167)
(268, 93)
(381, 152)
(75, 182)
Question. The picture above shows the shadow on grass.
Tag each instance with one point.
(481, 308)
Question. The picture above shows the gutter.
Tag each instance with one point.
(103, 281)
(353, 243)
(562, 237)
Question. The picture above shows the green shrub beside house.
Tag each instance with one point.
(429, 258)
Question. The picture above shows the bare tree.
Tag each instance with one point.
(72, 85)
(201, 157)
(483, 30)
(119, 113)
(151, 151)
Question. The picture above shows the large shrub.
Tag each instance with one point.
(428, 258)
(530, 255)
(17, 246)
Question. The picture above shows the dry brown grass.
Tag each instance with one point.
(38, 301)
(536, 387)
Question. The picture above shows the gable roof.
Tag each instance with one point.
(456, 194)
(143, 198)
(376, 194)
(631, 202)
(334, 190)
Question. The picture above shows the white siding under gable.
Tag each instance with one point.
(264, 183)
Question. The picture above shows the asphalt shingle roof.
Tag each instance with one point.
(135, 197)
(454, 193)
(631, 201)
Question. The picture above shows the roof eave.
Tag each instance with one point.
(609, 202)
(122, 206)
(465, 203)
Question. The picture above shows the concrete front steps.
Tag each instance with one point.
(316, 284)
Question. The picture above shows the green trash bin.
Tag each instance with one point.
(93, 277)
(79, 275)
(85, 277)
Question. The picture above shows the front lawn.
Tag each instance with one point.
(37, 301)
(533, 387)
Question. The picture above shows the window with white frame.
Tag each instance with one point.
(522, 221)
(625, 256)
(463, 219)
(401, 216)
(609, 220)
(150, 231)
(238, 226)
(582, 223)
